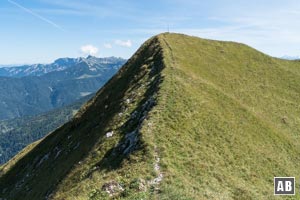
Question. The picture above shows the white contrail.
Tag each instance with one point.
(36, 15)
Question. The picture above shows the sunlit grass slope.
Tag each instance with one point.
(185, 118)
(231, 120)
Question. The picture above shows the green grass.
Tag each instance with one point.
(224, 131)
(225, 122)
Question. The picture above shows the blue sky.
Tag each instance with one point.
(39, 31)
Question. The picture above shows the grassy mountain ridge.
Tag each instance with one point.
(244, 100)
(185, 118)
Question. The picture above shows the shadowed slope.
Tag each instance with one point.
(37, 173)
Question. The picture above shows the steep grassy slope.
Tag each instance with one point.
(185, 118)
(231, 121)
(75, 151)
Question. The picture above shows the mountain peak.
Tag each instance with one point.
(90, 57)
(182, 113)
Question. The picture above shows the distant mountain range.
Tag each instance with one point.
(34, 89)
(290, 57)
(58, 65)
